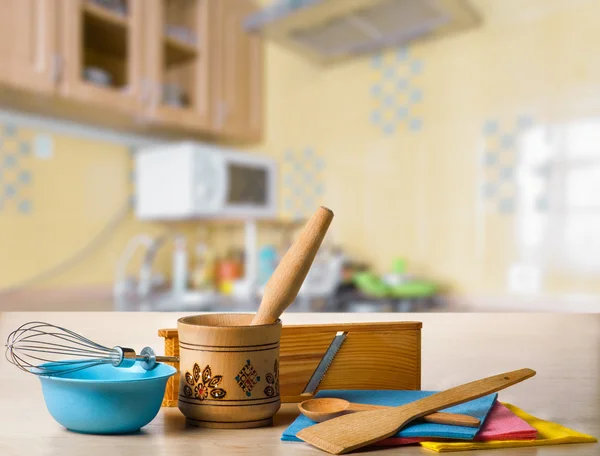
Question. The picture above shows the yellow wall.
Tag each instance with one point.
(416, 193)
(410, 193)
(72, 194)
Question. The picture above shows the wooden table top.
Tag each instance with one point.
(564, 349)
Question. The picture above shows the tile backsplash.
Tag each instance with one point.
(474, 156)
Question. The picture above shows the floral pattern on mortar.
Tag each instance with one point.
(272, 389)
(201, 386)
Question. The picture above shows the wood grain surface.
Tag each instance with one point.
(363, 361)
(327, 408)
(227, 348)
(564, 349)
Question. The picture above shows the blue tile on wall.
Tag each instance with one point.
(25, 177)
(507, 173)
(389, 101)
(402, 112)
(506, 206)
(25, 207)
(415, 124)
(24, 148)
(388, 73)
(490, 158)
(377, 61)
(10, 161)
(416, 66)
(490, 127)
(376, 117)
(416, 95)
(375, 90)
(507, 141)
(524, 122)
(308, 176)
(402, 54)
(301, 178)
(10, 130)
(401, 84)
(10, 190)
(394, 96)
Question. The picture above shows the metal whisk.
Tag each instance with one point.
(44, 349)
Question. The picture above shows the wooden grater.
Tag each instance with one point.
(364, 356)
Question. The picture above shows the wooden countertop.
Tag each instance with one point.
(563, 348)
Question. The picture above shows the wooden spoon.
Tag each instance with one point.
(326, 408)
(283, 286)
(349, 432)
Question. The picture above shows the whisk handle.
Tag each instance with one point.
(147, 358)
(167, 359)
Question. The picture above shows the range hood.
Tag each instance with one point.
(331, 30)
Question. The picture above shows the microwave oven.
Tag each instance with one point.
(192, 180)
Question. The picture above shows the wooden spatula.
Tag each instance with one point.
(283, 286)
(349, 432)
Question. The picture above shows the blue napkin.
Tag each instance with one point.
(478, 408)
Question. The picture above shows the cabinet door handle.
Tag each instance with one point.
(146, 92)
(40, 30)
(57, 68)
(222, 113)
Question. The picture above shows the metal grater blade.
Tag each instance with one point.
(321, 369)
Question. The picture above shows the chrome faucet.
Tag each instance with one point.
(144, 285)
(129, 291)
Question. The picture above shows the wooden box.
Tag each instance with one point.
(373, 356)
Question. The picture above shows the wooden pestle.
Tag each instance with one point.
(283, 286)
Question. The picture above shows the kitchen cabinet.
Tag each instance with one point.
(28, 53)
(178, 66)
(97, 42)
(237, 71)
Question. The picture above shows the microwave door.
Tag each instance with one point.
(248, 186)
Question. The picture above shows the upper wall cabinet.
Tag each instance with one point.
(183, 66)
(177, 71)
(101, 52)
(28, 44)
(237, 70)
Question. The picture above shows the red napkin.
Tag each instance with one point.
(500, 424)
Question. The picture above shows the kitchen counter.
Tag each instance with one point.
(564, 349)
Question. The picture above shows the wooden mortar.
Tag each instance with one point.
(229, 371)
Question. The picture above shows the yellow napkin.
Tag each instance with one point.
(548, 434)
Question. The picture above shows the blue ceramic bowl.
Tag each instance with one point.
(106, 399)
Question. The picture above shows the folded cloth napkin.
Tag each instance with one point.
(478, 408)
(548, 433)
(500, 424)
